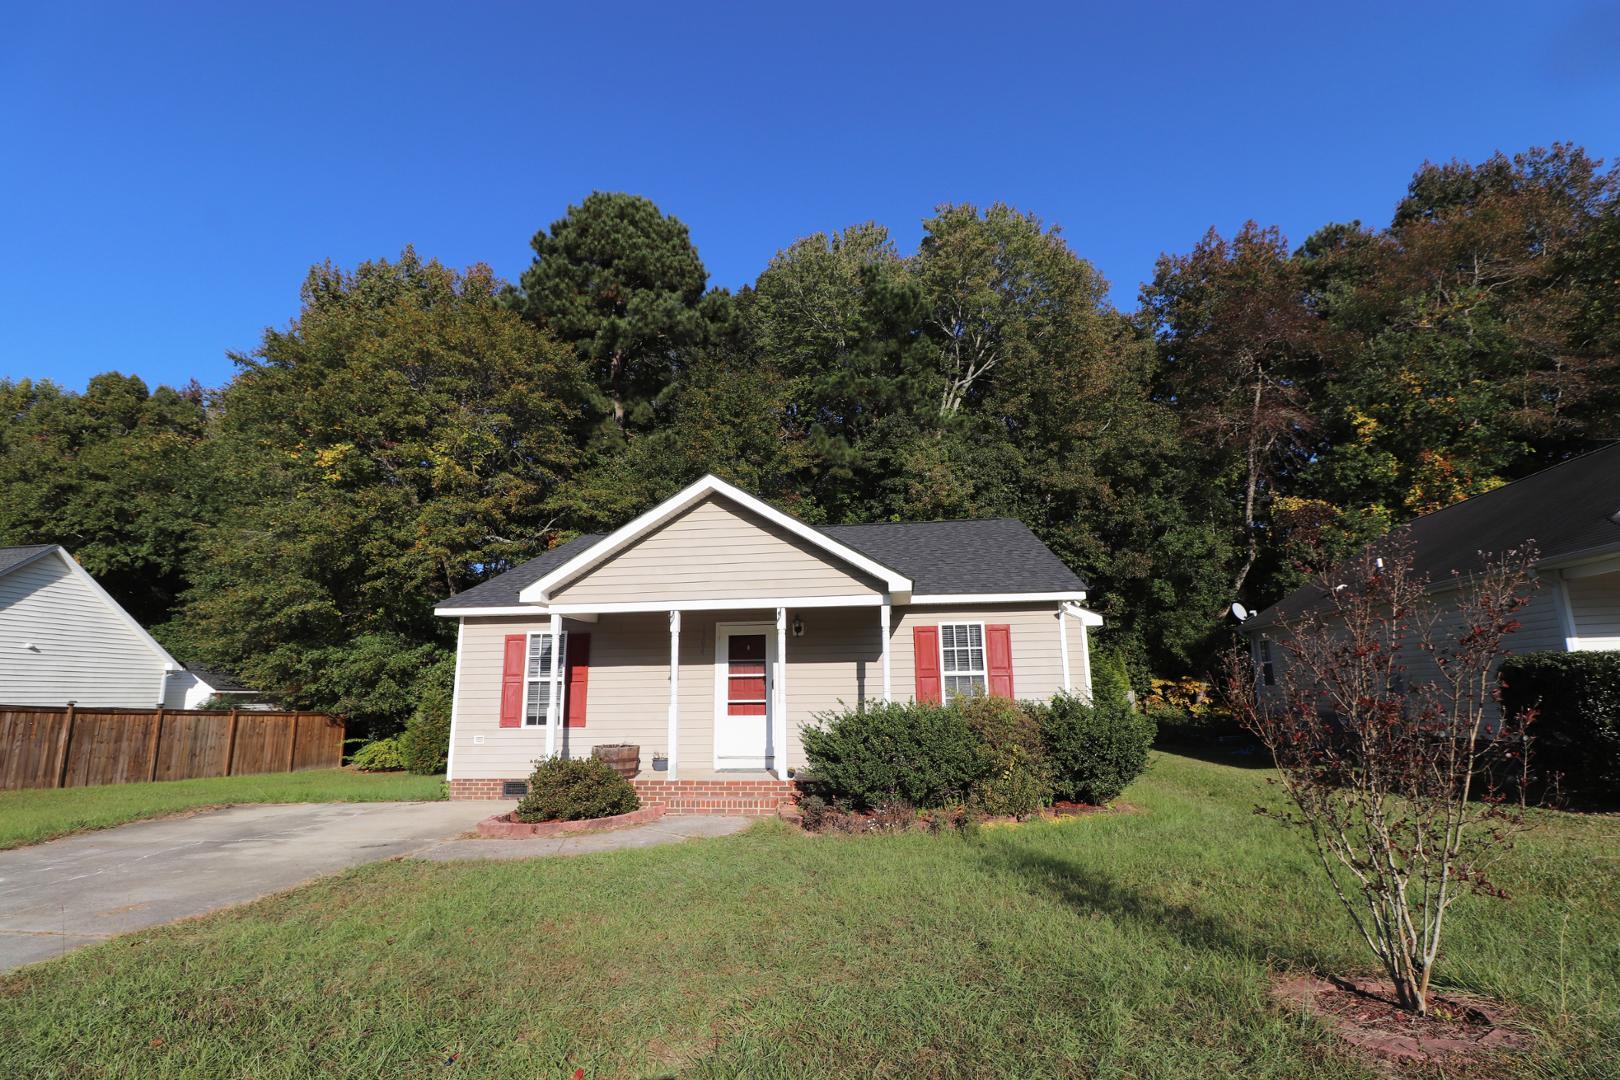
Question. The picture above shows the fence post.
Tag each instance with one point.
(292, 741)
(152, 745)
(230, 744)
(62, 746)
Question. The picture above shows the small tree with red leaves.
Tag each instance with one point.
(1409, 789)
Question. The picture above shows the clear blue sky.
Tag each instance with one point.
(167, 176)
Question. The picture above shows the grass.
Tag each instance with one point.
(1130, 945)
(28, 817)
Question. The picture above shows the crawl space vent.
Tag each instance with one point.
(514, 789)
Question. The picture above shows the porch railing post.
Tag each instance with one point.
(779, 710)
(551, 686)
(884, 614)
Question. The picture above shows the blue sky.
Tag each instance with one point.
(170, 174)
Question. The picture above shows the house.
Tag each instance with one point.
(710, 629)
(195, 686)
(1571, 512)
(62, 639)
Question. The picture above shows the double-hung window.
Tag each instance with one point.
(1268, 673)
(538, 677)
(961, 648)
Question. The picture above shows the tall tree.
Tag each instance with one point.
(395, 445)
(620, 282)
(111, 475)
(1240, 350)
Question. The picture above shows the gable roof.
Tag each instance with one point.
(218, 681)
(935, 559)
(15, 558)
(975, 556)
(1568, 511)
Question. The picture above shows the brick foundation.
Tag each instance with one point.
(739, 797)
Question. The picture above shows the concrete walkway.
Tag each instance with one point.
(82, 889)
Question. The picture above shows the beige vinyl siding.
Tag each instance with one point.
(84, 650)
(1595, 604)
(715, 551)
(836, 663)
(1037, 658)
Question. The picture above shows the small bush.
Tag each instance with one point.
(1095, 748)
(426, 742)
(925, 755)
(380, 755)
(1576, 734)
(575, 789)
(1014, 779)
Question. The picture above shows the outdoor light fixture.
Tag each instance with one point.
(798, 626)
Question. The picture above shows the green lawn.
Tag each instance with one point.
(1123, 945)
(27, 817)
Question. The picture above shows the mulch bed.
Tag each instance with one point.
(1363, 1012)
(508, 827)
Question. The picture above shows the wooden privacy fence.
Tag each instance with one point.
(75, 747)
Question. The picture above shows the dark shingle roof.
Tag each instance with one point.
(994, 555)
(1572, 507)
(13, 557)
(218, 680)
(985, 555)
(502, 589)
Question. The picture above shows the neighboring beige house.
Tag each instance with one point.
(1570, 512)
(710, 629)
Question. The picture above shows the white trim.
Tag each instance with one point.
(455, 705)
(884, 613)
(540, 591)
(779, 717)
(984, 646)
(1086, 616)
(740, 604)
(523, 711)
(1592, 569)
(465, 612)
(553, 684)
(994, 598)
(722, 691)
(1063, 648)
(672, 754)
(1566, 612)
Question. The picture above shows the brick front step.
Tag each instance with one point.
(740, 797)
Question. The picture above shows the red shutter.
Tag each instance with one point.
(925, 646)
(517, 647)
(579, 677)
(998, 659)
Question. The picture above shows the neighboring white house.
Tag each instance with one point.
(62, 639)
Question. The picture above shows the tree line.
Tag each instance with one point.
(415, 430)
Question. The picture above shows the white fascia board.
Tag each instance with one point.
(539, 592)
(996, 598)
(746, 603)
(170, 664)
(463, 612)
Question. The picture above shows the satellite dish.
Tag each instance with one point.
(1240, 612)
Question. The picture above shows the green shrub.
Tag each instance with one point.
(575, 789)
(1095, 748)
(380, 755)
(427, 732)
(1014, 778)
(925, 755)
(1576, 734)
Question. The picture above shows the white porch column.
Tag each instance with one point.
(674, 689)
(780, 709)
(1085, 657)
(888, 679)
(552, 685)
(1063, 646)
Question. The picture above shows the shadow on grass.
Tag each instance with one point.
(1090, 892)
(1240, 751)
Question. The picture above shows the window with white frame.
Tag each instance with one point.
(1268, 673)
(961, 652)
(538, 678)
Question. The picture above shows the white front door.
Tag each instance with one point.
(744, 660)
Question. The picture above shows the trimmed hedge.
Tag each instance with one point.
(1576, 733)
(925, 755)
(1096, 748)
(380, 755)
(575, 789)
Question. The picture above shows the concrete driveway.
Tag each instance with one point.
(82, 889)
